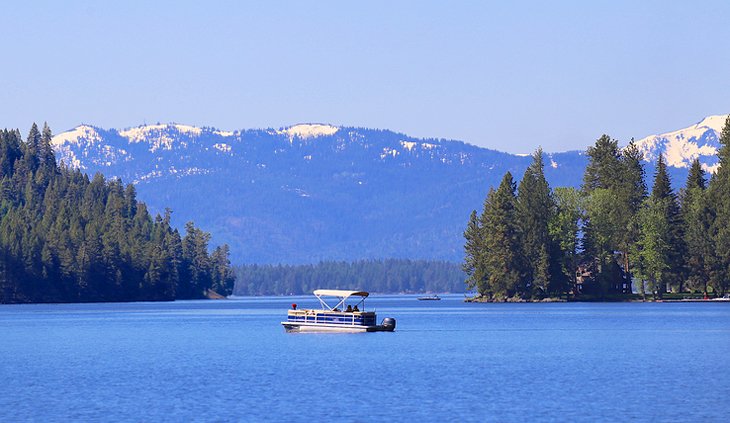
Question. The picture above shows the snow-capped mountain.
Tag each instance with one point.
(682, 147)
(312, 192)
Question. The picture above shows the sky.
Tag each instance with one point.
(507, 75)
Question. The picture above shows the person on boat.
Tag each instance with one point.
(349, 308)
(355, 309)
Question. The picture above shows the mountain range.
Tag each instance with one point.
(313, 192)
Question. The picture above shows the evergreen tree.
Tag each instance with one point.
(197, 261)
(223, 276)
(32, 148)
(697, 219)
(718, 195)
(604, 227)
(534, 209)
(663, 195)
(604, 165)
(473, 265)
(504, 261)
(696, 176)
(600, 240)
(630, 197)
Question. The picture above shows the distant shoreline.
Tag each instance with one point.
(607, 299)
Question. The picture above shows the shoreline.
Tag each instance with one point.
(597, 300)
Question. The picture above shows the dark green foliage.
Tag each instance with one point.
(660, 247)
(665, 197)
(604, 165)
(66, 238)
(719, 205)
(614, 190)
(603, 230)
(391, 276)
(653, 246)
(503, 256)
(564, 230)
(630, 196)
(697, 218)
(474, 251)
(696, 176)
(535, 209)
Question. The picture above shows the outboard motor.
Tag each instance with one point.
(388, 324)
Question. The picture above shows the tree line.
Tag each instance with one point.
(533, 242)
(67, 238)
(388, 276)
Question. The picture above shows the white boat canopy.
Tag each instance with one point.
(341, 294)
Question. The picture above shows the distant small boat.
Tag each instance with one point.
(433, 297)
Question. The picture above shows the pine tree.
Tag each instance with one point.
(631, 195)
(696, 176)
(195, 256)
(604, 166)
(473, 265)
(718, 195)
(697, 219)
(223, 277)
(535, 208)
(32, 148)
(503, 253)
(603, 228)
(663, 194)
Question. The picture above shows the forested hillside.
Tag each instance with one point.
(390, 276)
(67, 238)
(607, 237)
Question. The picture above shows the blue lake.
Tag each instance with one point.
(447, 361)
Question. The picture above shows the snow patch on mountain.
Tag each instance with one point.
(222, 147)
(224, 133)
(160, 136)
(309, 130)
(145, 132)
(408, 145)
(683, 146)
(387, 151)
(78, 134)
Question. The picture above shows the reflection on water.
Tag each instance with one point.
(232, 361)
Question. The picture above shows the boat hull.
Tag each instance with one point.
(324, 327)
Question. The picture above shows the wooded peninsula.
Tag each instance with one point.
(66, 238)
(606, 239)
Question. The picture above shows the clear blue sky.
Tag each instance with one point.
(507, 75)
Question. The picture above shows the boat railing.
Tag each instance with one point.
(351, 319)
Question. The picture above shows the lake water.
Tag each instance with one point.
(447, 361)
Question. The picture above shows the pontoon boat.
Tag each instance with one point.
(345, 316)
